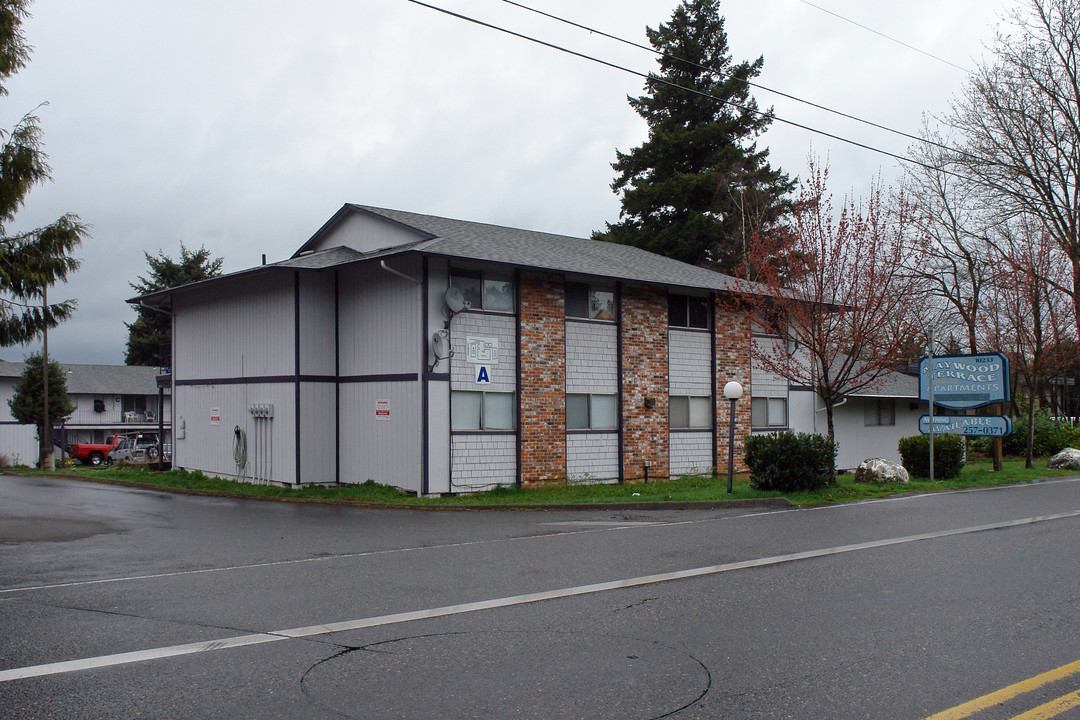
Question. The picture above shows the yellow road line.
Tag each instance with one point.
(1052, 708)
(1005, 694)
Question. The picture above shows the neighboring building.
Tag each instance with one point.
(108, 399)
(568, 358)
(868, 423)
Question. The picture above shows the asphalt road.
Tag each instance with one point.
(118, 603)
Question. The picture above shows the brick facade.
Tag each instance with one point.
(543, 378)
(733, 337)
(644, 328)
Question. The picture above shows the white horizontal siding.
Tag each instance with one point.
(500, 327)
(690, 363)
(592, 457)
(691, 453)
(482, 461)
(592, 360)
(764, 383)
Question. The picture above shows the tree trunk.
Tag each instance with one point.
(832, 435)
(1031, 432)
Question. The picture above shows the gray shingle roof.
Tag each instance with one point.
(561, 253)
(99, 379)
(482, 242)
(893, 385)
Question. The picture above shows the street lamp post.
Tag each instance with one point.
(732, 391)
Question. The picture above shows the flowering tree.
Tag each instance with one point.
(847, 298)
(1029, 312)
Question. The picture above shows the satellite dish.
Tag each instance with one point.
(455, 300)
(438, 346)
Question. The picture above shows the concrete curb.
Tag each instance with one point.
(774, 503)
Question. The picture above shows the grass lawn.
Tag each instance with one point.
(977, 473)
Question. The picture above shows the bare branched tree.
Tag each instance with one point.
(850, 308)
(1019, 119)
(954, 218)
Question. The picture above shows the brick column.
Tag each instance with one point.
(733, 337)
(542, 358)
(644, 364)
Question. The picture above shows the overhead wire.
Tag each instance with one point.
(881, 34)
(660, 80)
(758, 86)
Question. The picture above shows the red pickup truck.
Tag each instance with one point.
(93, 453)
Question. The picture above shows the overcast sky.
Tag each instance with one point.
(243, 125)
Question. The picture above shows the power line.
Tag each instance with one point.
(653, 78)
(782, 94)
(881, 34)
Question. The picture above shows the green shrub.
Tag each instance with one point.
(790, 462)
(1050, 437)
(948, 455)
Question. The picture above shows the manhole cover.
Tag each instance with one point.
(549, 675)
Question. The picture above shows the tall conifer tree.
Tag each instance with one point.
(151, 333)
(698, 189)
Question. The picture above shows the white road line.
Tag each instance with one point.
(448, 610)
(616, 526)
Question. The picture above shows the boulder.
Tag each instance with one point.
(1068, 459)
(880, 470)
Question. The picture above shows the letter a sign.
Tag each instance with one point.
(483, 375)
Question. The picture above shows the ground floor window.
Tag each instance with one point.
(591, 411)
(481, 410)
(768, 412)
(690, 412)
(880, 411)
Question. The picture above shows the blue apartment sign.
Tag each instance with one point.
(970, 425)
(965, 381)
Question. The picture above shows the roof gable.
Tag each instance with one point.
(359, 229)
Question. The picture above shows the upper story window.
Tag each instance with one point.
(688, 311)
(768, 412)
(590, 301)
(484, 290)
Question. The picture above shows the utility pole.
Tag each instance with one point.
(46, 429)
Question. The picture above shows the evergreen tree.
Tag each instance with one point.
(698, 189)
(152, 330)
(27, 403)
(29, 261)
